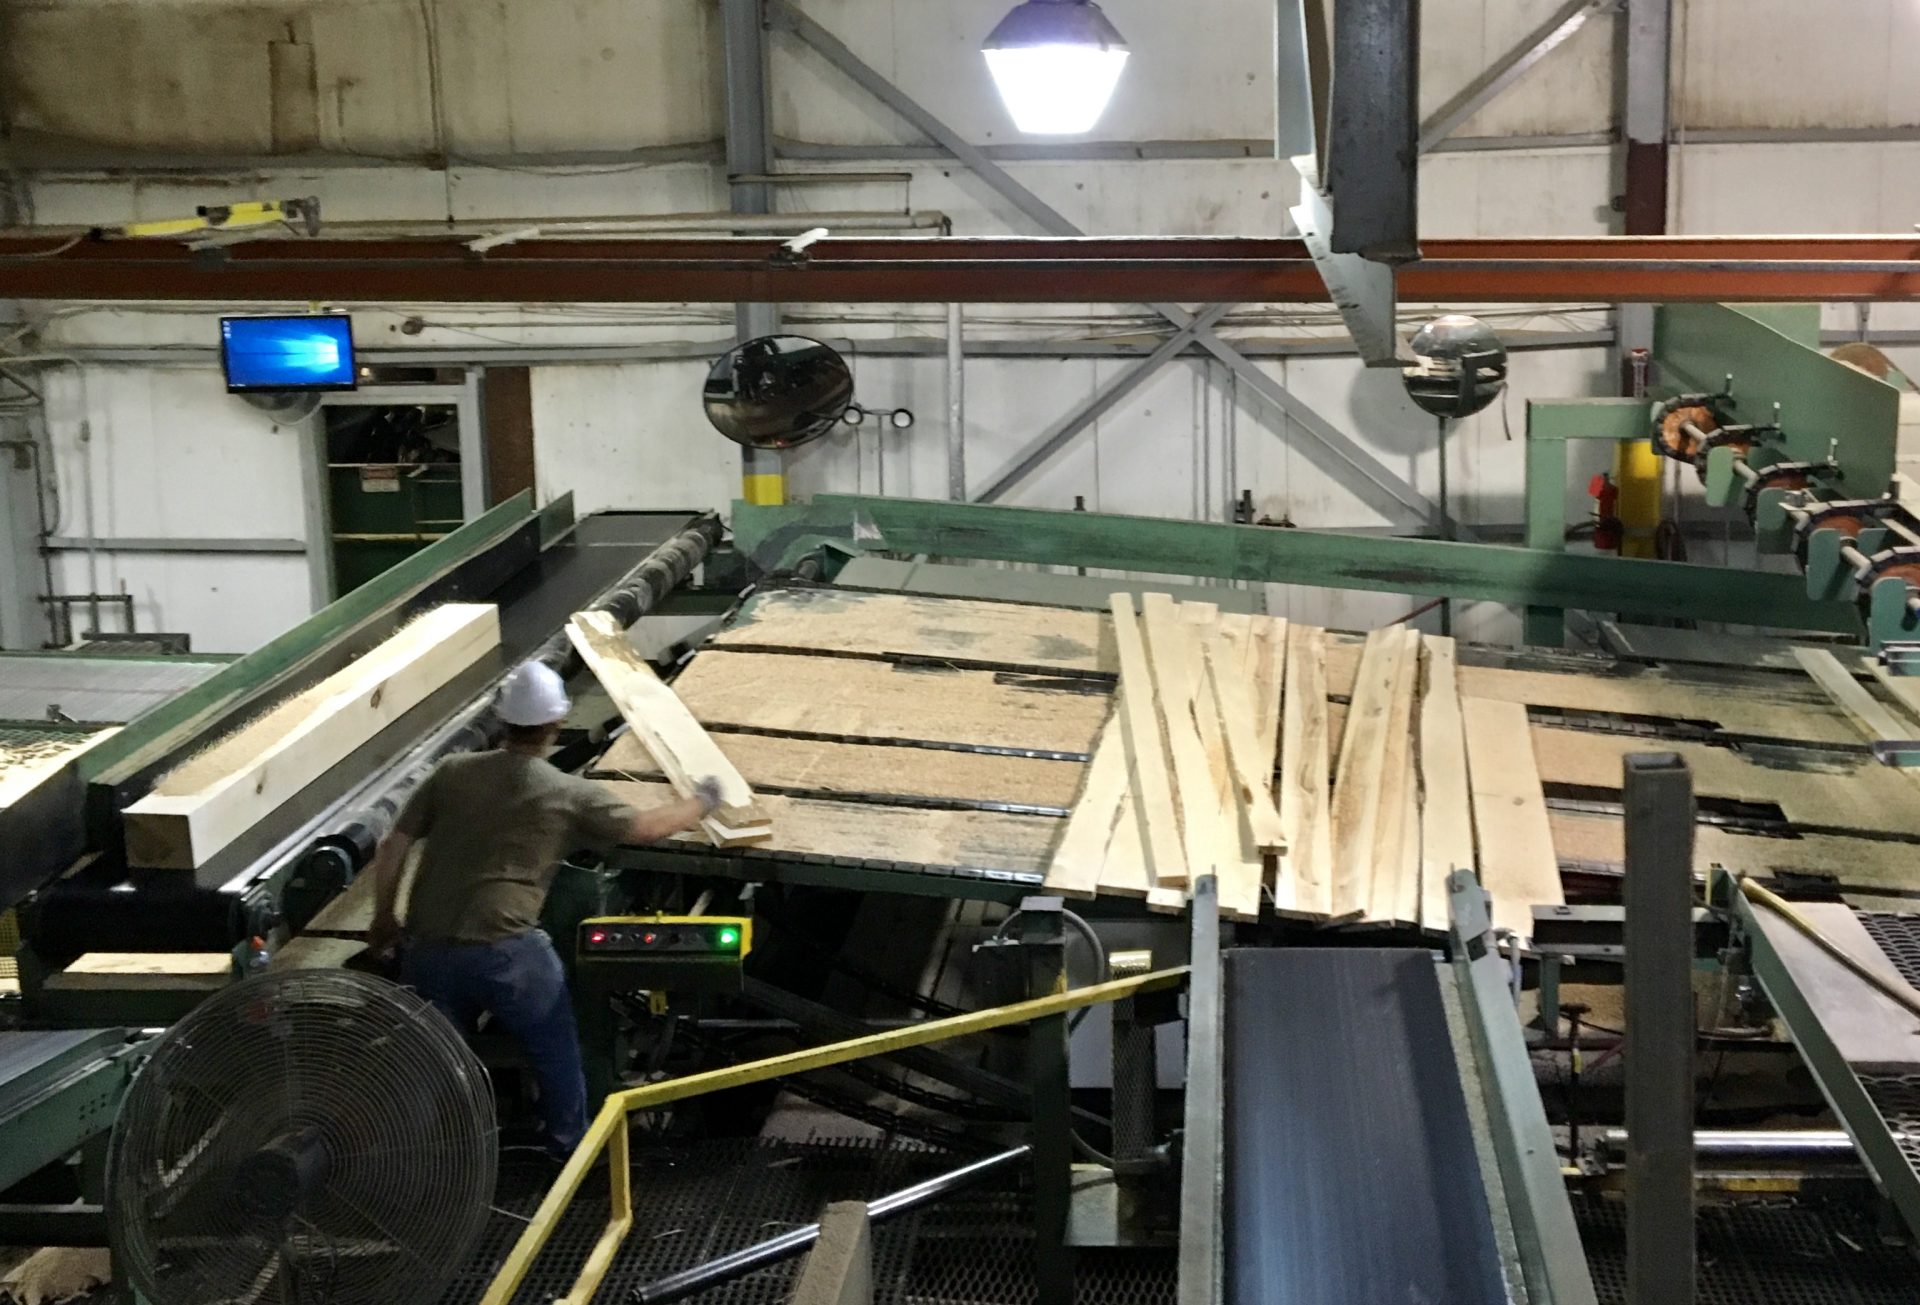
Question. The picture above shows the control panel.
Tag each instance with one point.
(651, 935)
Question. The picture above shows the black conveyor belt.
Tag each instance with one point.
(1351, 1175)
(538, 600)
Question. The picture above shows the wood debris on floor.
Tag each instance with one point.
(1222, 757)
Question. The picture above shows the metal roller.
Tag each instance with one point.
(350, 845)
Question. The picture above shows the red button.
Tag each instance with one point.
(597, 936)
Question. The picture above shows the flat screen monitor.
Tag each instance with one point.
(313, 352)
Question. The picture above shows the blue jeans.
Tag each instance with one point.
(519, 981)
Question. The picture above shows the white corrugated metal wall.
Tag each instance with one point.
(562, 108)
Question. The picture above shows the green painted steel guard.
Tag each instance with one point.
(1521, 577)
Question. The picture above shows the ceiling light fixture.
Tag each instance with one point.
(1056, 63)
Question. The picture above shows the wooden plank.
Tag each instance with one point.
(1765, 705)
(767, 761)
(25, 766)
(1239, 864)
(1268, 678)
(1123, 871)
(848, 697)
(1252, 763)
(1861, 864)
(1170, 653)
(1905, 690)
(984, 840)
(1393, 891)
(1303, 883)
(1082, 851)
(146, 971)
(1356, 789)
(672, 737)
(1873, 718)
(1148, 779)
(915, 626)
(218, 795)
(1518, 865)
(1812, 788)
(1446, 818)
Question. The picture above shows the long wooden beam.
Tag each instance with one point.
(221, 793)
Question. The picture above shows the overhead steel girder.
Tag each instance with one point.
(1314, 558)
(1349, 457)
(66, 264)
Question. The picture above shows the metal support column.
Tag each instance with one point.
(1202, 1241)
(1043, 944)
(1658, 1052)
(1644, 96)
(750, 154)
(23, 618)
(1140, 1176)
(956, 405)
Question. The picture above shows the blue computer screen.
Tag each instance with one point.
(288, 353)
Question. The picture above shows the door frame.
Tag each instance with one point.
(463, 398)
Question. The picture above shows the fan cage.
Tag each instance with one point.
(317, 1136)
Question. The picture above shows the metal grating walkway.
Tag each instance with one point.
(698, 1200)
(1765, 1253)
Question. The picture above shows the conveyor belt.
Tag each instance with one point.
(1351, 1176)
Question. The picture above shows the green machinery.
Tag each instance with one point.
(1812, 462)
(1803, 444)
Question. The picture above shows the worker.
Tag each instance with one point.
(496, 825)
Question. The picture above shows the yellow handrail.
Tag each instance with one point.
(609, 1127)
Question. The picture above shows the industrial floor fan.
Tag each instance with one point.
(314, 1136)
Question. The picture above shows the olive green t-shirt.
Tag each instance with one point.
(496, 825)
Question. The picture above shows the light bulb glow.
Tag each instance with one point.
(1056, 90)
(1056, 64)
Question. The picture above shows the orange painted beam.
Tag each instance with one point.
(439, 268)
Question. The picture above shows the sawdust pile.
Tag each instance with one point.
(28, 756)
(235, 751)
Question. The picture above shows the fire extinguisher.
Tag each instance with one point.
(1606, 518)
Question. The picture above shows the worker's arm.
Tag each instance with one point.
(388, 859)
(608, 820)
(414, 822)
(656, 823)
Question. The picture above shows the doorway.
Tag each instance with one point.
(398, 467)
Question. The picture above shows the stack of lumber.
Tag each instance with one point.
(222, 793)
(1225, 756)
(678, 745)
(1181, 781)
(912, 735)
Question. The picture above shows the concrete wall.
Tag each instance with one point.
(531, 103)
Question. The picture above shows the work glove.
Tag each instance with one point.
(707, 794)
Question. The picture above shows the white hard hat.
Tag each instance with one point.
(532, 695)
